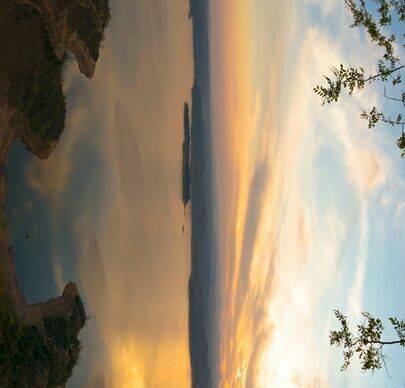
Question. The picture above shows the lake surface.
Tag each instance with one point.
(105, 210)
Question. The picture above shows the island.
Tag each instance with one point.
(39, 344)
(186, 156)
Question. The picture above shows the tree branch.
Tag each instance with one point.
(393, 98)
(372, 78)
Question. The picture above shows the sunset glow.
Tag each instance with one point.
(282, 238)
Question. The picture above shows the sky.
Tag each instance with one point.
(310, 203)
(314, 221)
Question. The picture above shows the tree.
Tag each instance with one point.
(367, 343)
(376, 21)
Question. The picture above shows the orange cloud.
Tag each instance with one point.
(282, 229)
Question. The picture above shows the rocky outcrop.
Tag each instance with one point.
(36, 37)
(39, 342)
(76, 26)
(67, 27)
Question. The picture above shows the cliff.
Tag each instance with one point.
(38, 343)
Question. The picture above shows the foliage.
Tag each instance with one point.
(367, 343)
(45, 103)
(390, 66)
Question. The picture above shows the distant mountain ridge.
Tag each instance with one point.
(202, 282)
(38, 343)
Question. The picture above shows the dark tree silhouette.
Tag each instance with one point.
(367, 344)
(376, 21)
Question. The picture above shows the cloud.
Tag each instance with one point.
(304, 245)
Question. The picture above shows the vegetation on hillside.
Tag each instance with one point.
(44, 102)
(83, 20)
(34, 81)
(30, 355)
